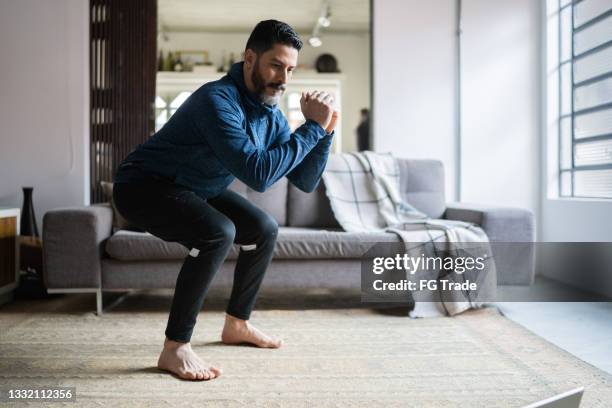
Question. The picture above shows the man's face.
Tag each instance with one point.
(270, 71)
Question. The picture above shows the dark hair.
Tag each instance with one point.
(269, 32)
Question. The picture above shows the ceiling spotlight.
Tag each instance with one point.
(315, 41)
(325, 15)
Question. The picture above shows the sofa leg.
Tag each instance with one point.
(112, 300)
(99, 308)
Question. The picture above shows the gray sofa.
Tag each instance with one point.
(83, 252)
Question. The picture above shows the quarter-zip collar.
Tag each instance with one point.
(237, 74)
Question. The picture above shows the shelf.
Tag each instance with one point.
(177, 78)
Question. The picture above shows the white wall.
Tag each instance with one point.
(500, 68)
(351, 50)
(44, 103)
(414, 81)
(415, 89)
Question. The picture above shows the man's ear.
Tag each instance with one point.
(249, 58)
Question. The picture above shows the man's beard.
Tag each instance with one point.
(261, 86)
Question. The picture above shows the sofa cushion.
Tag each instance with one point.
(311, 243)
(422, 185)
(127, 245)
(292, 243)
(273, 200)
(309, 209)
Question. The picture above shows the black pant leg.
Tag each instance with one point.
(256, 232)
(178, 215)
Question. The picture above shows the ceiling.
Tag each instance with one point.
(347, 16)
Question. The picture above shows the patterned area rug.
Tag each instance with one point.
(345, 356)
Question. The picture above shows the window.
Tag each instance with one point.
(166, 106)
(292, 107)
(585, 98)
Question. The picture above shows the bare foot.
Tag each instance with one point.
(180, 359)
(238, 331)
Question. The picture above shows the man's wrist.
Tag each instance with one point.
(323, 132)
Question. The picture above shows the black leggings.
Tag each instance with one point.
(208, 228)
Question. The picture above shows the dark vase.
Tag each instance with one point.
(31, 283)
(28, 218)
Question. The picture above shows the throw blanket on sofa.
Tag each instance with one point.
(364, 192)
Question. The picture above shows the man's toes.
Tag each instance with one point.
(216, 371)
(206, 375)
(273, 343)
(188, 375)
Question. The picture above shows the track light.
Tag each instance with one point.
(315, 41)
(324, 21)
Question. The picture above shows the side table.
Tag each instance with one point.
(31, 283)
(9, 252)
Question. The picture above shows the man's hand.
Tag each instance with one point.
(317, 106)
(332, 123)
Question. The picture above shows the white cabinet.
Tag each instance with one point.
(174, 87)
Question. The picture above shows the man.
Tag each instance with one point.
(363, 131)
(175, 185)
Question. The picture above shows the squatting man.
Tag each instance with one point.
(175, 185)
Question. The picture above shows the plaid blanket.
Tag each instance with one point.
(364, 191)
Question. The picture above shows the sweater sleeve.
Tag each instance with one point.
(219, 122)
(307, 174)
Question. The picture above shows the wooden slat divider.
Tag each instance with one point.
(123, 53)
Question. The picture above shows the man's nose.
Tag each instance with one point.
(283, 76)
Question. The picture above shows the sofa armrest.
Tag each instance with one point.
(73, 245)
(502, 224)
(507, 228)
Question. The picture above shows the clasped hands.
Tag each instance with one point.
(318, 106)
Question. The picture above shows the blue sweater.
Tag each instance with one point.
(222, 132)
